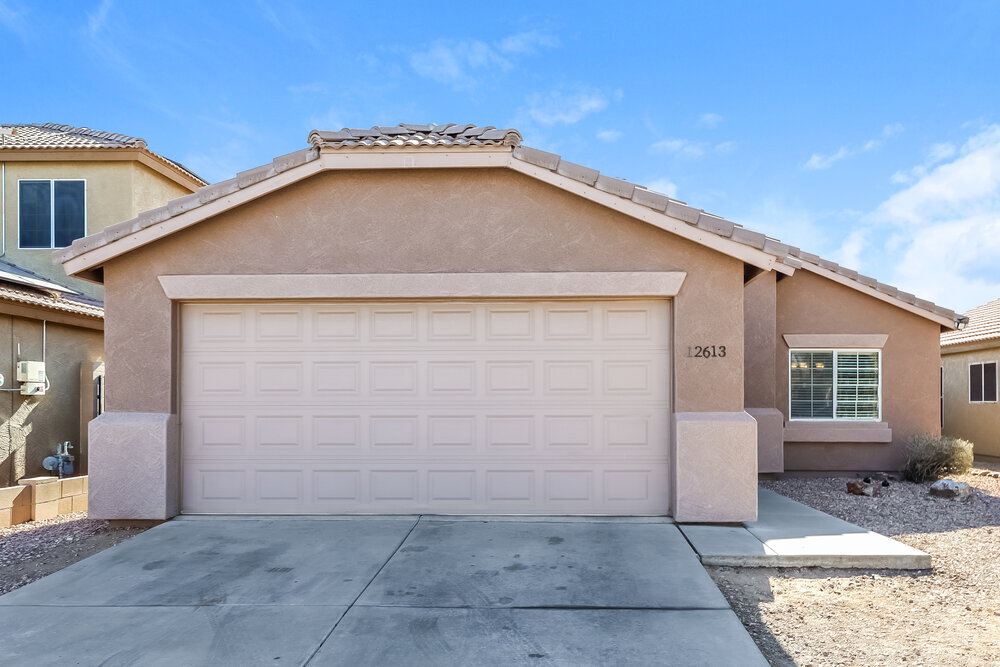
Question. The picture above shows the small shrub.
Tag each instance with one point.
(931, 457)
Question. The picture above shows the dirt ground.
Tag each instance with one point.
(949, 615)
(32, 550)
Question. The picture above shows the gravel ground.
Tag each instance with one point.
(824, 617)
(30, 551)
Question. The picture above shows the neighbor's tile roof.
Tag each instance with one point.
(984, 324)
(54, 135)
(24, 286)
(462, 136)
(405, 134)
(74, 303)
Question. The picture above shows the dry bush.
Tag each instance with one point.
(931, 457)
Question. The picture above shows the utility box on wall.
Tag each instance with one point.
(31, 375)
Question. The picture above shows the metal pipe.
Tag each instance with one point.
(3, 209)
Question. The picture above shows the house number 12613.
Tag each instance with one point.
(707, 351)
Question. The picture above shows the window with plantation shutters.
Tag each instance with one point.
(835, 385)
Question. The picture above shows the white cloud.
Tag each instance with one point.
(663, 186)
(935, 154)
(849, 252)
(97, 19)
(692, 149)
(609, 136)
(527, 42)
(12, 17)
(709, 120)
(819, 161)
(948, 223)
(564, 106)
(456, 62)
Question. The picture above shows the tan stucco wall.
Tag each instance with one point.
(421, 222)
(31, 426)
(115, 191)
(807, 304)
(977, 422)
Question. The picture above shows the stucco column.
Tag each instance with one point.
(759, 388)
(134, 466)
(714, 440)
(715, 465)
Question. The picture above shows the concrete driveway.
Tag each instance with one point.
(381, 591)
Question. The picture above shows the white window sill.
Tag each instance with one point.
(837, 431)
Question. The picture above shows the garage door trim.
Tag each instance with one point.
(632, 284)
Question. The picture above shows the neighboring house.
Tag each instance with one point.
(969, 361)
(436, 319)
(59, 183)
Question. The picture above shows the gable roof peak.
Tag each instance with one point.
(410, 135)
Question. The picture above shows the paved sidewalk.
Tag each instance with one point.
(790, 534)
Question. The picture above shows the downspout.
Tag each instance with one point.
(3, 209)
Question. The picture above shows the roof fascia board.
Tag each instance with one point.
(101, 154)
(971, 346)
(38, 312)
(658, 219)
(166, 169)
(103, 253)
(872, 292)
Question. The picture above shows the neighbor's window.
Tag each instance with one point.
(983, 382)
(51, 213)
(835, 384)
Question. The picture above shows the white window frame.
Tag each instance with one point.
(968, 374)
(52, 210)
(836, 352)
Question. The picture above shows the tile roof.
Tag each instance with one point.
(405, 134)
(53, 135)
(13, 273)
(76, 304)
(24, 286)
(984, 325)
(456, 136)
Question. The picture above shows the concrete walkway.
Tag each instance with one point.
(381, 591)
(790, 534)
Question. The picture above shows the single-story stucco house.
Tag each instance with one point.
(437, 319)
(969, 361)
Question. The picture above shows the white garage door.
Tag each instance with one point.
(526, 407)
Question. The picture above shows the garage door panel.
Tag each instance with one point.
(270, 378)
(322, 430)
(521, 407)
(223, 326)
(428, 488)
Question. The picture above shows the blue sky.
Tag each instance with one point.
(866, 132)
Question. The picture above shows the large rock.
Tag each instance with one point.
(861, 488)
(949, 488)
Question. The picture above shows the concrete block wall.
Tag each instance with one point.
(40, 498)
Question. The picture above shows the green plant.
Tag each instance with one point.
(931, 457)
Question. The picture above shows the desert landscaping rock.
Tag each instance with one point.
(949, 488)
(848, 617)
(862, 488)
